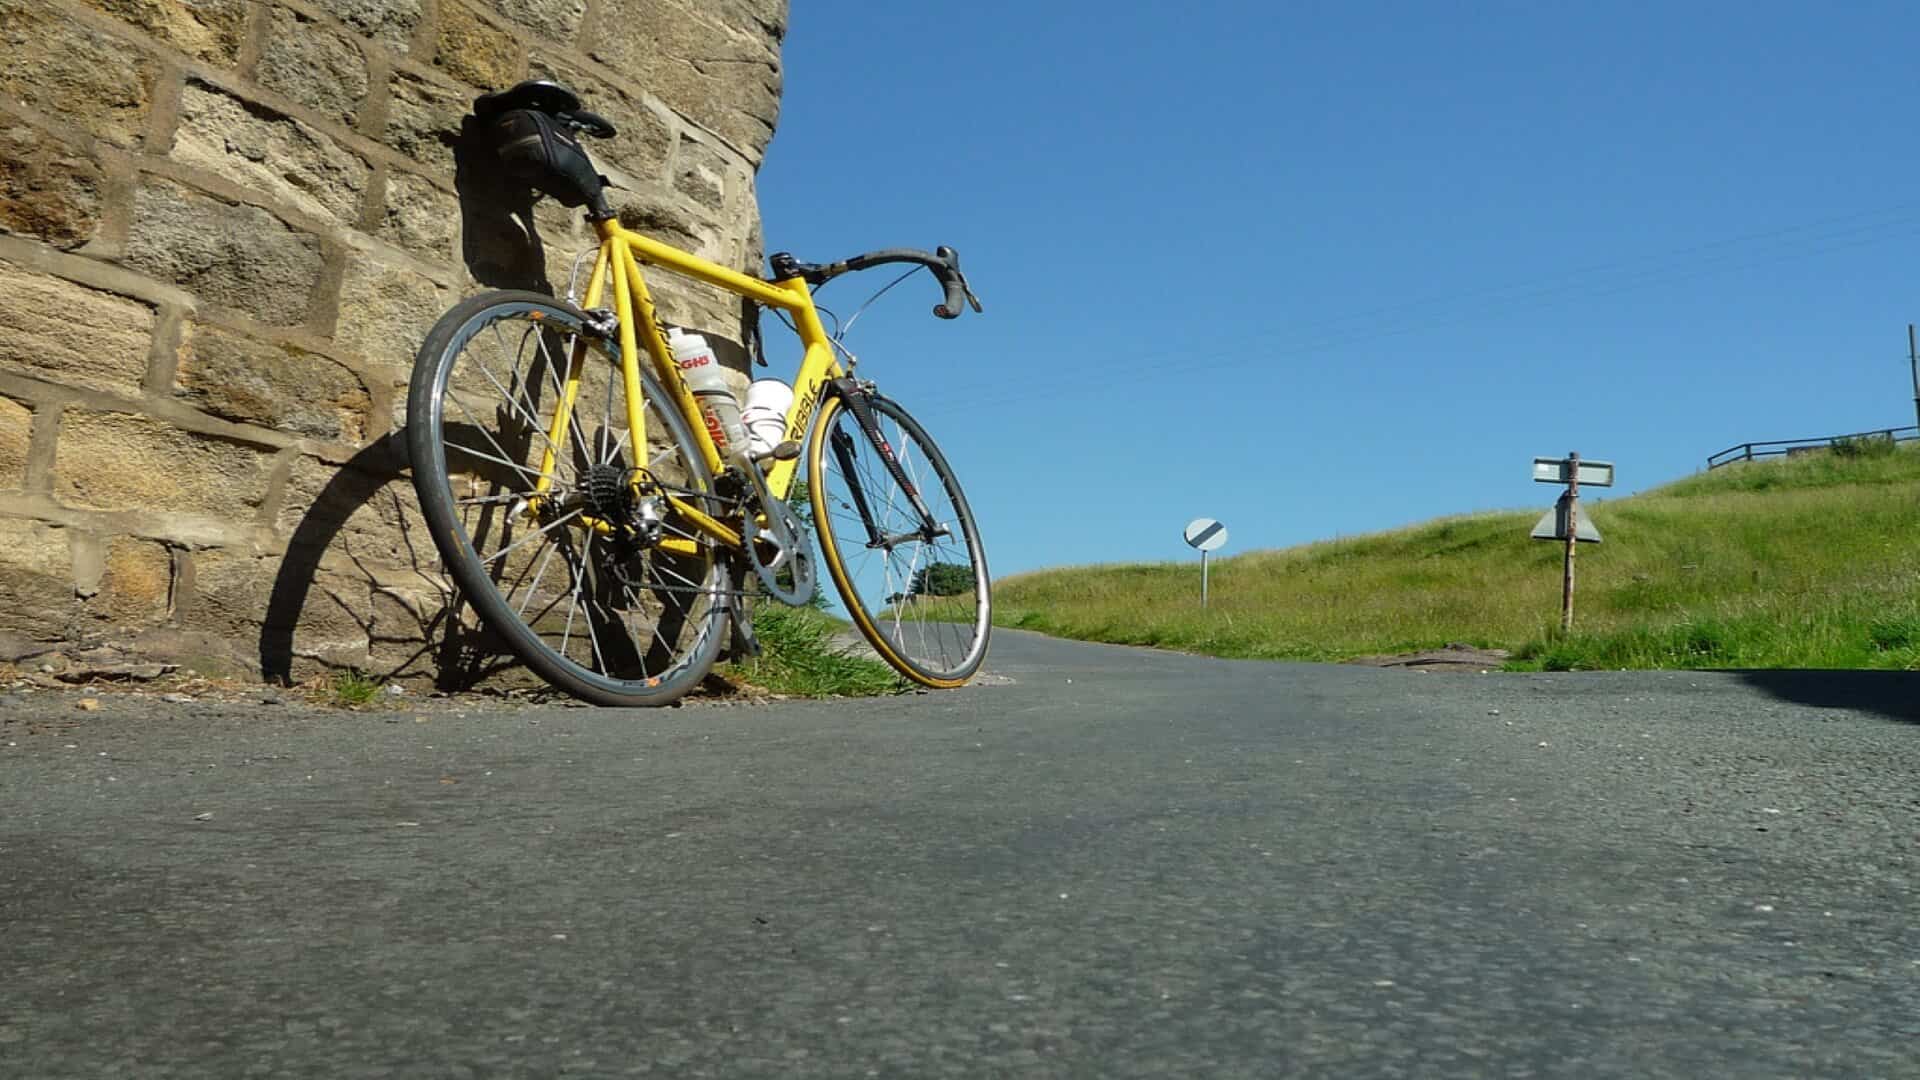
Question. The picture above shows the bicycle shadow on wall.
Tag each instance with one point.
(459, 655)
(499, 241)
(501, 248)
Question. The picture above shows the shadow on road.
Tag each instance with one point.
(1893, 694)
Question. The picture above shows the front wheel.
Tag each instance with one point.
(899, 540)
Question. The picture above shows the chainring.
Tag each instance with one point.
(793, 553)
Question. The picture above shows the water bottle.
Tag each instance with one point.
(718, 407)
(766, 415)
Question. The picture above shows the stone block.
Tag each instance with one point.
(116, 461)
(47, 191)
(386, 311)
(16, 438)
(423, 120)
(313, 65)
(36, 579)
(74, 72)
(273, 154)
(661, 218)
(389, 22)
(69, 334)
(207, 30)
(137, 586)
(276, 604)
(419, 216)
(557, 20)
(228, 253)
(371, 517)
(408, 605)
(719, 67)
(476, 53)
(700, 173)
(765, 17)
(283, 387)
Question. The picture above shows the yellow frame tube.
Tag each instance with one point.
(563, 415)
(621, 255)
(629, 347)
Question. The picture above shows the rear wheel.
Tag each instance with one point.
(912, 571)
(632, 612)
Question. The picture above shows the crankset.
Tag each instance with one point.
(778, 547)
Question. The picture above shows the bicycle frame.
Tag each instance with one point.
(622, 252)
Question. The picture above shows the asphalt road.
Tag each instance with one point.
(1119, 863)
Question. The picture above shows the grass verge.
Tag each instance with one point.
(800, 655)
(1811, 562)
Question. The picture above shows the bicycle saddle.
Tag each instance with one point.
(539, 94)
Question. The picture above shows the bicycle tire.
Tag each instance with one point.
(876, 581)
(652, 623)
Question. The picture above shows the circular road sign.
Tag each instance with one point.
(1206, 534)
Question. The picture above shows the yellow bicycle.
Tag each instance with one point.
(607, 530)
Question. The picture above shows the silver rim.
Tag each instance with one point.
(899, 586)
(616, 614)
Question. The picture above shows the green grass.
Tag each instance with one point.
(801, 655)
(1807, 562)
(352, 689)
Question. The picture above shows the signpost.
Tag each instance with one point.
(1563, 522)
(1207, 535)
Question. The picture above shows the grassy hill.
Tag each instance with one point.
(1808, 562)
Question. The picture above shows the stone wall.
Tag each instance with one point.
(225, 225)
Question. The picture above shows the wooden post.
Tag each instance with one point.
(1913, 358)
(1573, 539)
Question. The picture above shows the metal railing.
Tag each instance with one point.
(1788, 447)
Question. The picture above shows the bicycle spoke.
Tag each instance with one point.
(487, 500)
(536, 534)
(472, 453)
(526, 417)
(539, 572)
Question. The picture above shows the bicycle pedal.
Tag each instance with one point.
(786, 451)
(744, 644)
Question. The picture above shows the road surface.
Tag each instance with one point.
(1105, 863)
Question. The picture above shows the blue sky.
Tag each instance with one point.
(1323, 269)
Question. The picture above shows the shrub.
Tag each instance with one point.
(1863, 446)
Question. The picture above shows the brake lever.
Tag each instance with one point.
(951, 259)
(968, 289)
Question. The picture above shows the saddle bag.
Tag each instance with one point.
(536, 151)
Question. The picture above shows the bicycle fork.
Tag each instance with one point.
(843, 451)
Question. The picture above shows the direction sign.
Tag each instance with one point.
(1553, 525)
(1548, 470)
(1206, 534)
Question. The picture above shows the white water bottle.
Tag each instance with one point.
(718, 407)
(766, 415)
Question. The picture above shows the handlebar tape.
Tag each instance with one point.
(955, 283)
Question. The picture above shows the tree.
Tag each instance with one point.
(941, 579)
